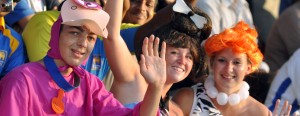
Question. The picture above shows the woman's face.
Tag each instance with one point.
(179, 64)
(76, 44)
(230, 70)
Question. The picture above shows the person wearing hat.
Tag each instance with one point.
(12, 49)
(57, 85)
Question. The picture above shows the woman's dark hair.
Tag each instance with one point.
(182, 32)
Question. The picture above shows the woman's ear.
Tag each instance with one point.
(249, 69)
(210, 61)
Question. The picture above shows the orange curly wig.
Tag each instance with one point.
(241, 39)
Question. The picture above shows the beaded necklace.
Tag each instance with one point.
(223, 98)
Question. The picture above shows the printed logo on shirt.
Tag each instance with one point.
(3, 56)
(96, 63)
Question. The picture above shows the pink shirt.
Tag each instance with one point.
(27, 91)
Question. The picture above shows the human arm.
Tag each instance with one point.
(153, 69)
(106, 104)
(123, 66)
(184, 98)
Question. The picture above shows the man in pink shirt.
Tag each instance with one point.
(57, 85)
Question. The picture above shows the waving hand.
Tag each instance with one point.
(152, 63)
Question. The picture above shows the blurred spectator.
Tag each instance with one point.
(284, 38)
(43, 5)
(285, 4)
(19, 17)
(139, 11)
(12, 50)
(226, 13)
(264, 13)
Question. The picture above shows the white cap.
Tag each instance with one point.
(75, 14)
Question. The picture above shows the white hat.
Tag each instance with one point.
(80, 13)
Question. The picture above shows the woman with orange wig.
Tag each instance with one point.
(233, 54)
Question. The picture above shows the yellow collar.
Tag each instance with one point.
(2, 24)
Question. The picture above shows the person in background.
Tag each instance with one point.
(139, 11)
(283, 39)
(226, 13)
(19, 17)
(285, 4)
(12, 49)
(43, 5)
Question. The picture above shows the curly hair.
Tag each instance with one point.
(241, 39)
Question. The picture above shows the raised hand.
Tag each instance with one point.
(152, 63)
(285, 110)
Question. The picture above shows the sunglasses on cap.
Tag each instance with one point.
(88, 4)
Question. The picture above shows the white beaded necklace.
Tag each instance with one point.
(222, 98)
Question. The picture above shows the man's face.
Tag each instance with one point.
(6, 5)
(140, 11)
